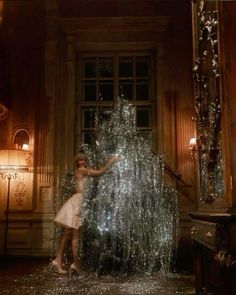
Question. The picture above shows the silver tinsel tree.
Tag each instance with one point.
(129, 214)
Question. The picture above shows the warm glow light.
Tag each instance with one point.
(13, 160)
(193, 147)
(25, 147)
(193, 141)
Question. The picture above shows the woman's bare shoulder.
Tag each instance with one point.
(81, 171)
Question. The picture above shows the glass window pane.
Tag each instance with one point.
(126, 89)
(89, 90)
(142, 68)
(142, 90)
(125, 67)
(90, 69)
(143, 117)
(106, 68)
(105, 114)
(106, 90)
(89, 118)
(88, 138)
(103, 78)
(147, 135)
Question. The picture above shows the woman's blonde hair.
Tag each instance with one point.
(80, 156)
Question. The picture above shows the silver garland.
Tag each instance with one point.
(129, 214)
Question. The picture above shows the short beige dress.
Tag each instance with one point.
(68, 215)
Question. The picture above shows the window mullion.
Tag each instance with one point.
(100, 78)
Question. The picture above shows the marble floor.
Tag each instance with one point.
(35, 277)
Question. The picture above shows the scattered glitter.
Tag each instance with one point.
(45, 282)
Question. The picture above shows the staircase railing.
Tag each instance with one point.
(176, 175)
(181, 186)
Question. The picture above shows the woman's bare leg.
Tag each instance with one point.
(74, 244)
(60, 249)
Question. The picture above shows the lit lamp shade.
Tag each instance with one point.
(13, 160)
(193, 141)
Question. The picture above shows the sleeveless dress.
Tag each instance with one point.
(68, 215)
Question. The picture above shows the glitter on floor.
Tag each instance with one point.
(36, 278)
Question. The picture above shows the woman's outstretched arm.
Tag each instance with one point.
(99, 171)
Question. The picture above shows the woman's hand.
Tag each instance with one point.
(114, 159)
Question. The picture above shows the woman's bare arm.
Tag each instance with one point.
(97, 172)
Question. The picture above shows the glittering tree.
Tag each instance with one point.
(129, 214)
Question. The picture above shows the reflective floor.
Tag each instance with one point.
(34, 276)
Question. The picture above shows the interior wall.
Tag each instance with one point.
(39, 53)
(228, 71)
(178, 122)
(23, 39)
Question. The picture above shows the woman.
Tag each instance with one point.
(68, 217)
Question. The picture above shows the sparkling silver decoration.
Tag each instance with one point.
(46, 282)
(129, 214)
(208, 106)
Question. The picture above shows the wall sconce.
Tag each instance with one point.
(25, 147)
(11, 162)
(193, 147)
(21, 141)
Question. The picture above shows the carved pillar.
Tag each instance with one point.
(45, 146)
(160, 101)
(69, 102)
(65, 104)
